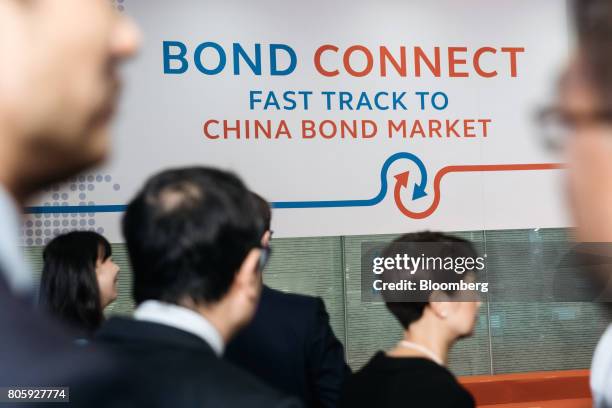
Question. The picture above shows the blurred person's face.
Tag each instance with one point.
(589, 156)
(578, 104)
(107, 273)
(59, 85)
(576, 109)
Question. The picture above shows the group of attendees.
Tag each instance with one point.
(198, 243)
(206, 332)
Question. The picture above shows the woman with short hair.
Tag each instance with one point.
(414, 373)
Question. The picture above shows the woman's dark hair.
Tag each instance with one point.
(69, 285)
(424, 244)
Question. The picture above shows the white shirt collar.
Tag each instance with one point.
(180, 318)
(14, 268)
(601, 371)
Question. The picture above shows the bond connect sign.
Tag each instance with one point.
(351, 117)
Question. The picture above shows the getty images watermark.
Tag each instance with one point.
(557, 271)
(408, 266)
(411, 272)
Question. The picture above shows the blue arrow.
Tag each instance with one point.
(419, 192)
(419, 189)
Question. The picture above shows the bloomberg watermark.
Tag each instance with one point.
(491, 271)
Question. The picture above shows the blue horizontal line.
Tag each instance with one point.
(70, 209)
(117, 208)
(325, 204)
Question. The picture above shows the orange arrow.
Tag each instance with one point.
(402, 181)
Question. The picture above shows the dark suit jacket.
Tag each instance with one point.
(184, 368)
(36, 351)
(291, 346)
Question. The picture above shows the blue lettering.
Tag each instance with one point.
(273, 62)
(253, 100)
(328, 95)
(444, 97)
(271, 100)
(180, 57)
(397, 101)
(345, 99)
(364, 101)
(288, 97)
(254, 65)
(377, 100)
(305, 94)
(198, 58)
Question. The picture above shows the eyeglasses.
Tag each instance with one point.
(557, 125)
(264, 257)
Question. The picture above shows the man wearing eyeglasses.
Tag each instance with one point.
(290, 344)
(580, 123)
(194, 241)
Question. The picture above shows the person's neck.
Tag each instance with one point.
(426, 333)
(225, 330)
(214, 315)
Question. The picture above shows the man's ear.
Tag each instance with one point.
(247, 278)
(265, 239)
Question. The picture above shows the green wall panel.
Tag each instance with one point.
(509, 337)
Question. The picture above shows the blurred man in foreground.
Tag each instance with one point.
(584, 116)
(58, 89)
(586, 106)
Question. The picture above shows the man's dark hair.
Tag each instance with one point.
(187, 232)
(427, 244)
(69, 286)
(593, 20)
(263, 209)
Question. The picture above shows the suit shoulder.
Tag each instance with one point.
(305, 302)
(239, 388)
(300, 312)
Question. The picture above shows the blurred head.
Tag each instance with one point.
(454, 313)
(579, 105)
(79, 279)
(593, 22)
(585, 88)
(584, 113)
(58, 86)
(264, 212)
(194, 239)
